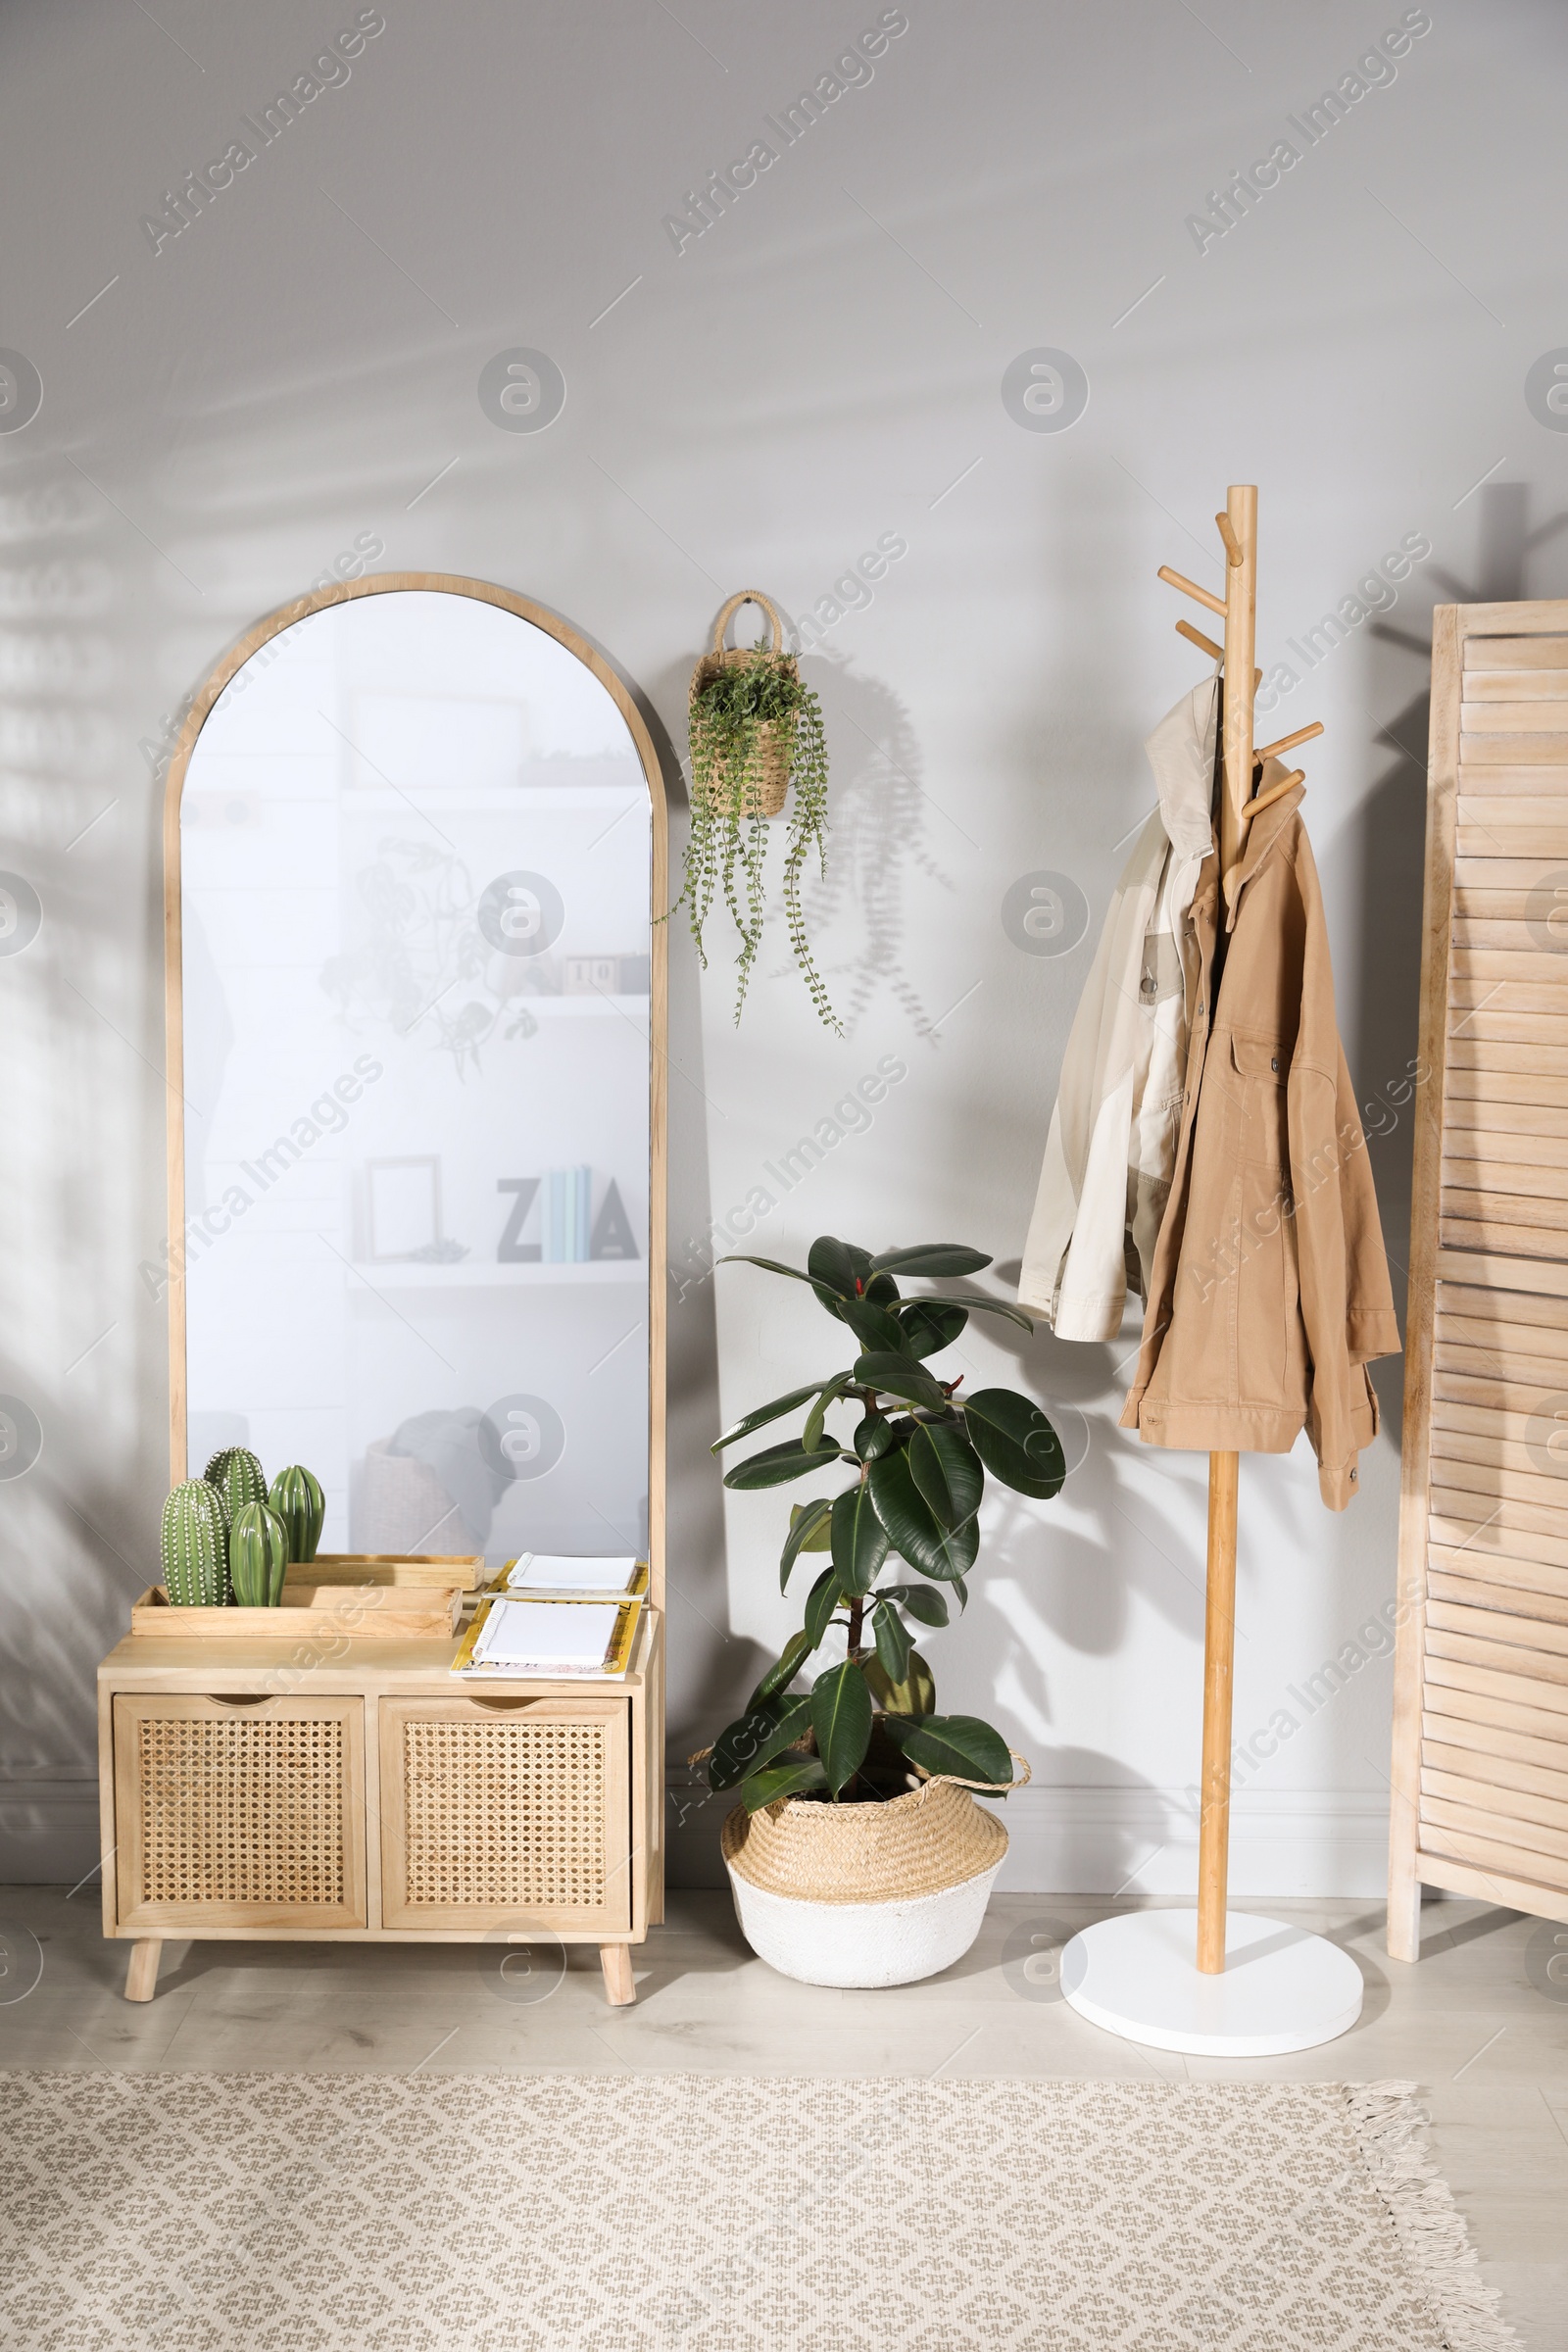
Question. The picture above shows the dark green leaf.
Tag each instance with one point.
(739, 1257)
(809, 1532)
(946, 1468)
(892, 1644)
(873, 1436)
(987, 1306)
(962, 1590)
(918, 1536)
(786, 1729)
(859, 1539)
(882, 1290)
(776, 1465)
(820, 1602)
(841, 1718)
(957, 1743)
(1015, 1442)
(785, 1667)
(933, 1258)
(920, 1600)
(793, 1778)
(917, 1695)
(872, 1325)
(741, 1742)
(812, 1434)
(765, 1413)
(926, 1328)
(838, 1265)
(901, 1376)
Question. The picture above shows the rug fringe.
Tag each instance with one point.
(1391, 2129)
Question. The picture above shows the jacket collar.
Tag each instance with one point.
(1181, 753)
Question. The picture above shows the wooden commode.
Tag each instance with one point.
(375, 1799)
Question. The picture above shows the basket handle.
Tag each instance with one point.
(1025, 1776)
(751, 596)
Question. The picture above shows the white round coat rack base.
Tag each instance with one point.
(1282, 1988)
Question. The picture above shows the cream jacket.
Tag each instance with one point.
(1111, 1149)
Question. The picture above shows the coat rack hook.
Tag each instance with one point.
(1233, 545)
(1178, 579)
(1288, 743)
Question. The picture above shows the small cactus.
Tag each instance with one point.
(258, 1556)
(238, 1477)
(195, 1546)
(299, 1503)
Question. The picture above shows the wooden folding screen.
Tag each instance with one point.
(1481, 1683)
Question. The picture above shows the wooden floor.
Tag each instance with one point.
(1477, 2025)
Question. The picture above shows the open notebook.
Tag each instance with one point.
(547, 1639)
(559, 1571)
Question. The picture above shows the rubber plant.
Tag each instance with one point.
(918, 1453)
(755, 733)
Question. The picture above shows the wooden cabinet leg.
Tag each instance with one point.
(620, 1986)
(141, 1977)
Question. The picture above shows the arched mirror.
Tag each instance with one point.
(414, 845)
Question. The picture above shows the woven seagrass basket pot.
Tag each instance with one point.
(776, 737)
(866, 1895)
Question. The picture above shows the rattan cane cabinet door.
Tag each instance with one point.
(505, 1813)
(239, 1813)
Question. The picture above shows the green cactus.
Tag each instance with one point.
(195, 1546)
(238, 1477)
(299, 1503)
(258, 1556)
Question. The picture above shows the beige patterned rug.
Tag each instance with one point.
(701, 2213)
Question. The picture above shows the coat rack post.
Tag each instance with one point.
(1276, 1989)
(1219, 1615)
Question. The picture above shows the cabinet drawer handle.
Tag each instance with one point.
(503, 1703)
(222, 1698)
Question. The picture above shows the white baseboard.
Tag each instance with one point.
(1119, 1841)
(1329, 1841)
(48, 1826)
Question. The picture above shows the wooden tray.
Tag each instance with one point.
(362, 1612)
(426, 1568)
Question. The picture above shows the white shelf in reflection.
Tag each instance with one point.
(468, 1274)
(570, 1008)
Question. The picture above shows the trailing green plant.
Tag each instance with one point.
(919, 1453)
(752, 720)
(297, 1498)
(258, 1556)
(238, 1475)
(194, 1544)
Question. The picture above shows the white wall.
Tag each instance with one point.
(295, 374)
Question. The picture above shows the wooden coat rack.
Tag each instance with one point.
(1241, 767)
(1254, 1988)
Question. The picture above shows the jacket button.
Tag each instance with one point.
(1273, 1061)
(1352, 1478)
(1199, 1003)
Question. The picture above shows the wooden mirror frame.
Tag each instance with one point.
(439, 584)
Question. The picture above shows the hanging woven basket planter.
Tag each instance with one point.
(761, 777)
(756, 734)
(866, 1895)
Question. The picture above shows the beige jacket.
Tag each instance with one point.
(1270, 1289)
(1112, 1141)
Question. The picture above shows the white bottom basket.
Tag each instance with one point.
(863, 1944)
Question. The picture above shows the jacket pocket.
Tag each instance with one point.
(1262, 1065)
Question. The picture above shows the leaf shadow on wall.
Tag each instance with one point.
(1082, 1579)
(877, 809)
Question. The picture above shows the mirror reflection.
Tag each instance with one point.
(415, 842)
